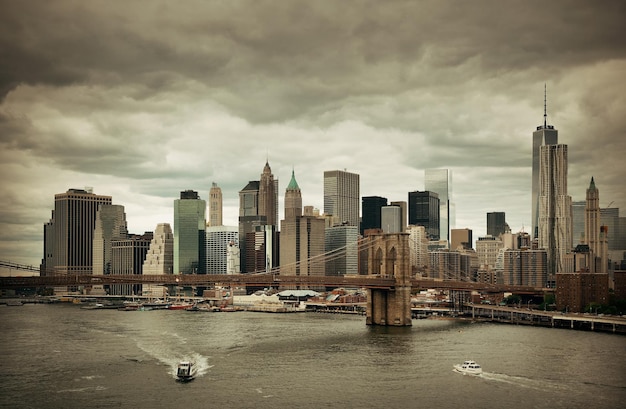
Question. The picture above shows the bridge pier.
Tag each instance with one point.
(389, 257)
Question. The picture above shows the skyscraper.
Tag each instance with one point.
(391, 219)
(268, 196)
(440, 182)
(370, 211)
(341, 245)
(258, 206)
(110, 225)
(302, 237)
(69, 234)
(215, 205)
(496, 223)
(342, 196)
(218, 240)
(544, 135)
(596, 235)
(555, 208)
(159, 258)
(189, 233)
(578, 222)
(127, 257)
(424, 211)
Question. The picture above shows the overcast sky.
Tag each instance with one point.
(143, 99)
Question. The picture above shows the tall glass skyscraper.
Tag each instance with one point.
(189, 233)
(342, 197)
(371, 212)
(544, 135)
(424, 211)
(440, 182)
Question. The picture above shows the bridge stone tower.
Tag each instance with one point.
(388, 256)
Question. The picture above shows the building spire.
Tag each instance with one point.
(545, 107)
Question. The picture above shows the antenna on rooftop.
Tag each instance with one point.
(545, 109)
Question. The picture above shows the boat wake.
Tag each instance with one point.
(536, 384)
(170, 355)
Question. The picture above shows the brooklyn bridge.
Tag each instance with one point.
(389, 281)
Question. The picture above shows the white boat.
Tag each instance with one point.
(186, 371)
(468, 368)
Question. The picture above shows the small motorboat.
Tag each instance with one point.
(468, 368)
(186, 371)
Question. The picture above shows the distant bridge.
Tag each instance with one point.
(258, 280)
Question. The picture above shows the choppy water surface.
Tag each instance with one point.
(59, 356)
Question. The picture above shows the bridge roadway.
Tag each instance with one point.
(260, 280)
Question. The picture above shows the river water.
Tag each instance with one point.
(61, 356)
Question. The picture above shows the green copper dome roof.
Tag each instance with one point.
(293, 185)
(592, 185)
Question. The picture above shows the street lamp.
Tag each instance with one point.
(529, 304)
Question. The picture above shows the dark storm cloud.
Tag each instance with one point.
(301, 56)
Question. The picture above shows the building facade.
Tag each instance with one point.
(342, 197)
(525, 267)
(496, 224)
(418, 250)
(371, 212)
(68, 242)
(215, 205)
(127, 257)
(555, 208)
(218, 240)
(461, 238)
(391, 219)
(110, 225)
(159, 259)
(440, 182)
(189, 231)
(487, 248)
(302, 237)
(424, 211)
(341, 248)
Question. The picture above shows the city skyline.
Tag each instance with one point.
(164, 100)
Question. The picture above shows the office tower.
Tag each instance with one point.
(544, 135)
(487, 248)
(159, 259)
(424, 211)
(215, 205)
(110, 225)
(262, 249)
(258, 206)
(268, 196)
(418, 249)
(445, 264)
(555, 208)
(578, 222)
(496, 223)
(301, 237)
(218, 240)
(461, 238)
(68, 243)
(403, 214)
(440, 182)
(609, 217)
(592, 218)
(525, 267)
(342, 197)
(189, 231)
(370, 212)
(127, 257)
(391, 219)
(341, 247)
